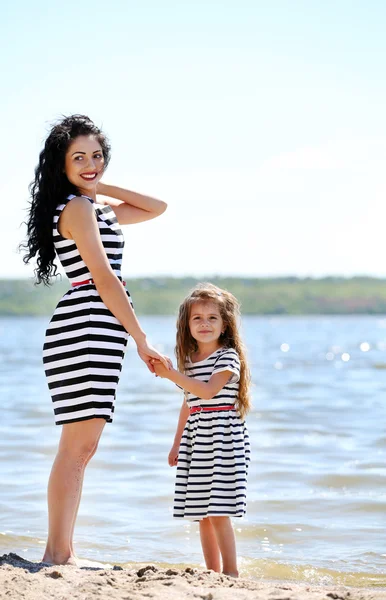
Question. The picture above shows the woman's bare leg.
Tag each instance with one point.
(77, 444)
(73, 553)
(209, 545)
(226, 541)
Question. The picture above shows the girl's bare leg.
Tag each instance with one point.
(209, 545)
(77, 444)
(227, 544)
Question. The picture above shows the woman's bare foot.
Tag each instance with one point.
(60, 560)
(235, 575)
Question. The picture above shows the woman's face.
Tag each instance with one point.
(84, 163)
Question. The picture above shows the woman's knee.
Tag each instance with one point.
(80, 450)
(80, 443)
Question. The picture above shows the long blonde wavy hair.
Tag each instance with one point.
(229, 309)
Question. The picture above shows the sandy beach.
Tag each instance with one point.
(20, 578)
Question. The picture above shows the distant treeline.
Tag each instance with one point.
(273, 296)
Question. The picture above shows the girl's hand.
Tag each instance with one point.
(173, 455)
(159, 368)
(147, 353)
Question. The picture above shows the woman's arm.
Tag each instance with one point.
(201, 389)
(78, 222)
(131, 207)
(183, 417)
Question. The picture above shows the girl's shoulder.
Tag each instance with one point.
(192, 361)
(228, 360)
(213, 359)
(227, 356)
(228, 353)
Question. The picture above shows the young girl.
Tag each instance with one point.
(211, 446)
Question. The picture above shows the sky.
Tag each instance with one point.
(261, 124)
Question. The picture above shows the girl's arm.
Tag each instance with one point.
(205, 391)
(184, 414)
(131, 207)
(78, 222)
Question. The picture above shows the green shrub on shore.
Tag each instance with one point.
(270, 296)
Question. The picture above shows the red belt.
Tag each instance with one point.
(88, 281)
(195, 409)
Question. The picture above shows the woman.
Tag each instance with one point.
(87, 336)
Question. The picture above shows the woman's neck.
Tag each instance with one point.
(89, 193)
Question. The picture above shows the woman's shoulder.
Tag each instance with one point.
(80, 199)
(75, 203)
(74, 200)
(73, 209)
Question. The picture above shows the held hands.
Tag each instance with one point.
(149, 355)
(173, 456)
(160, 369)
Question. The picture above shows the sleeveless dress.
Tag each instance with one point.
(214, 453)
(84, 343)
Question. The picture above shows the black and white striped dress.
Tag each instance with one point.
(214, 453)
(84, 343)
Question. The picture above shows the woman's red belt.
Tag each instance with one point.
(88, 281)
(195, 409)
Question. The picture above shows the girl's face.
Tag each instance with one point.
(205, 322)
(84, 163)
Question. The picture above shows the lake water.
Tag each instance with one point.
(317, 485)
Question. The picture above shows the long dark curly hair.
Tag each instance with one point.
(50, 186)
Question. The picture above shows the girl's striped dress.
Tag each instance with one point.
(214, 452)
(84, 343)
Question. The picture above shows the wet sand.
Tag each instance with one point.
(20, 578)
